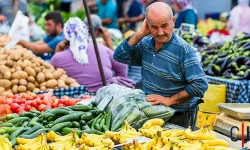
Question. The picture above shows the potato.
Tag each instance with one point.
(40, 78)
(1, 76)
(69, 81)
(57, 74)
(20, 75)
(30, 71)
(3, 57)
(7, 93)
(31, 79)
(31, 86)
(10, 63)
(2, 62)
(43, 88)
(7, 75)
(18, 68)
(3, 69)
(75, 84)
(21, 89)
(48, 75)
(51, 83)
(2, 90)
(61, 84)
(15, 89)
(28, 56)
(23, 82)
(47, 66)
(37, 70)
(36, 84)
(15, 55)
(61, 70)
(42, 84)
(36, 90)
(14, 82)
(26, 63)
(19, 63)
(5, 83)
(12, 70)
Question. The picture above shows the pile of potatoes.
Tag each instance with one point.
(4, 40)
(23, 72)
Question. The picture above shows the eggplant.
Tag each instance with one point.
(246, 48)
(223, 55)
(241, 60)
(211, 52)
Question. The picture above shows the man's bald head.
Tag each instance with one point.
(159, 8)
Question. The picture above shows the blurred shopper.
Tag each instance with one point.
(9, 8)
(239, 20)
(77, 57)
(184, 12)
(54, 28)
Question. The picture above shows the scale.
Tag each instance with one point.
(232, 117)
(185, 28)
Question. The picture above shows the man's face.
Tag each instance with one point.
(51, 27)
(161, 28)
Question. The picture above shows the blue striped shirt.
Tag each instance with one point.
(167, 71)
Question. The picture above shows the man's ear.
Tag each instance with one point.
(174, 19)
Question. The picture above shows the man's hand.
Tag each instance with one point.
(144, 30)
(107, 37)
(2, 18)
(123, 20)
(158, 99)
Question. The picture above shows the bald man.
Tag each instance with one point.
(171, 73)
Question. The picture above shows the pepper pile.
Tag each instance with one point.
(229, 60)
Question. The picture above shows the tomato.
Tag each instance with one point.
(48, 107)
(9, 101)
(7, 109)
(38, 101)
(2, 110)
(18, 101)
(14, 107)
(60, 105)
(41, 107)
(27, 107)
(28, 102)
(22, 101)
(71, 102)
(54, 105)
(20, 110)
(32, 108)
(33, 103)
(22, 105)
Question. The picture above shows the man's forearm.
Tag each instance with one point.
(179, 97)
(136, 19)
(135, 38)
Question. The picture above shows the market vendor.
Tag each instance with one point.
(54, 28)
(77, 57)
(171, 72)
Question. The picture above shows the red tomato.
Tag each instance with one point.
(38, 101)
(71, 102)
(32, 108)
(41, 107)
(33, 103)
(22, 105)
(14, 107)
(28, 102)
(27, 107)
(18, 101)
(7, 109)
(48, 107)
(60, 105)
(9, 101)
(22, 100)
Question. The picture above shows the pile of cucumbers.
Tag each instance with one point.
(81, 118)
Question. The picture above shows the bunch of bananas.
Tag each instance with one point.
(93, 141)
(126, 132)
(69, 141)
(38, 143)
(5, 144)
(204, 133)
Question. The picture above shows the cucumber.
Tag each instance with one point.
(6, 125)
(36, 112)
(12, 116)
(17, 133)
(71, 117)
(6, 135)
(13, 142)
(82, 122)
(91, 121)
(25, 124)
(81, 108)
(104, 128)
(19, 119)
(28, 114)
(3, 119)
(95, 112)
(87, 116)
(94, 103)
(34, 134)
(108, 120)
(75, 124)
(66, 108)
(93, 131)
(10, 129)
(68, 130)
(60, 112)
(19, 124)
(94, 122)
(47, 115)
(97, 127)
(32, 121)
(2, 131)
(31, 130)
(103, 121)
(60, 126)
(85, 127)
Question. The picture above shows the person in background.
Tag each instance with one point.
(171, 72)
(184, 12)
(65, 5)
(9, 8)
(106, 11)
(77, 57)
(239, 19)
(54, 28)
(133, 14)
(100, 30)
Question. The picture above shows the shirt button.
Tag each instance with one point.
(154, 55)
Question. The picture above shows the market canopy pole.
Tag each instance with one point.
(94, 42)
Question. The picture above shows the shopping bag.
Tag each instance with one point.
(214, 95)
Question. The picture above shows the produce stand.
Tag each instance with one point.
(238, 91)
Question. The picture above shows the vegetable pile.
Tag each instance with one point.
(23, 72)
(229, 60)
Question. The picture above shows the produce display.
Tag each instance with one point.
(229, 60)
(4, 40)
(23, 72)
(195, 39)
(81, 118)
(26, 102)
(204, 26)
(159, 139)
